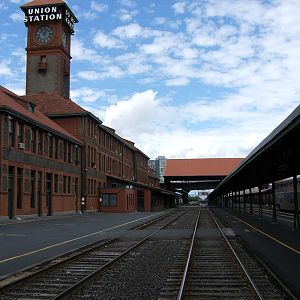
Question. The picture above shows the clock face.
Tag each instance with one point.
(64, 39)
(44, 34)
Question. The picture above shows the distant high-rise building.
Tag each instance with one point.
(158, 165)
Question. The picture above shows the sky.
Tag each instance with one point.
(182, 79)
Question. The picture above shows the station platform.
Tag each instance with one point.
(277, 244)
(32, 240)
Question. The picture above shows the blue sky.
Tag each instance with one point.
(184, 79)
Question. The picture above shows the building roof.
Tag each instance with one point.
(18, 106)
(54, 104)
(42, 3)
(200, 167)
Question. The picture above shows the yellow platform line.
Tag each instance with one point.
(72, 240)
(266, 234)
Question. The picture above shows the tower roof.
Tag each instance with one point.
(43, 3)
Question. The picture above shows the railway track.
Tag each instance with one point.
(211, 268)
(268, 211)
(65, 275)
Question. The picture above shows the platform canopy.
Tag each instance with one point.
(276, 157)
(198, 173)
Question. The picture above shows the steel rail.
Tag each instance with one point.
(183, 281)
(65, 294)
(283, 214)
(61, 259)
(253, 285)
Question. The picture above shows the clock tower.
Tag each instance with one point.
(50, 26)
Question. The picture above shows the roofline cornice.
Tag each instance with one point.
(79, 114)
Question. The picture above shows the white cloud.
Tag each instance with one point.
(89, 75)
(157, 127)
(86, 94)
(165, 21)
(104, 41)
(107, 72)
(139, 115)
(130, 31)
(82, 53)
(128, 3)
(89, 15)
(126, 15)
(99, 7)
(17, 17)
(180, 81)
(5, 69)
(179, 7)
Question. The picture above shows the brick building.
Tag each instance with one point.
(40, 161)
(55, 155)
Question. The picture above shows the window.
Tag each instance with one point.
(76, 155)
(11, 132)
(56, 148)
(33, 144)
(42, 65)
(64, 184)
(32, 198)
(20, 133)
(109, 199)
(61, 151)
(65, 151)
(40, 142)
(46, 143)
(88, 159)
(69, 153)
(19, 187)
(50, 146)
(31, 107)
(55, 183)
(69, 185)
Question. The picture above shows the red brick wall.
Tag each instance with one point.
(126, 200)
(72, 125)
(147, 200)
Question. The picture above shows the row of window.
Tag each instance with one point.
(107, 141)
(34, 185)
(42, 143)
(93, 188)
(107, 164)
